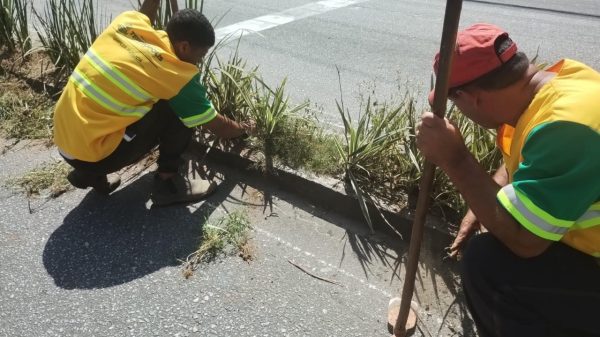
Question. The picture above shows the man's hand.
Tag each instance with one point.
(249, 127)
(468, 226)
(440, 141)
(226, 128)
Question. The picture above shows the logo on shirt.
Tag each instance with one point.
(127, 31)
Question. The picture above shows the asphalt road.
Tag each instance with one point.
(385, 47)
(82, 265)
(86, 265)
(381, 45)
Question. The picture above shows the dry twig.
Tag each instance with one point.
(315, 276)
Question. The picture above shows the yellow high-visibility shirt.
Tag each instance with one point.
(125, 72)
(553, 160)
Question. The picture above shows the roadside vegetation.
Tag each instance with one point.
(24, 113)
(227, 235)
(375, 157)
(66, 29)
(48, 179)
(14, 20)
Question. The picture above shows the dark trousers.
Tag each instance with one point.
(554, 294)
(160, 126)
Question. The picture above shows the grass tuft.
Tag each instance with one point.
(229, 232)
(300, 143)
(286, 135)
(50, 177)
(25, 114)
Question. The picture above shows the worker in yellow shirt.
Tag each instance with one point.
(536, 272)
(134, 89)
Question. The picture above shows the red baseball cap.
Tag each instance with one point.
(475, 54)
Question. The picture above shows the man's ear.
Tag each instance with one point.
(182, 48)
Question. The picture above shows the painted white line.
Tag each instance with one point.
(277, 19)
(323, 262)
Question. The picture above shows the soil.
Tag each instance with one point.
(34, 70)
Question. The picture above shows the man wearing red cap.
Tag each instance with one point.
(536, 272)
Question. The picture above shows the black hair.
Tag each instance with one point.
(192, 26)
(507, 74)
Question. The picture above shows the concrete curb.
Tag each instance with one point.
(334, 199)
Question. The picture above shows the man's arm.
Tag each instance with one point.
(470, 223)
(442, 144)
(479, 191)
(501, 178)
(224, 127)
(150, 9)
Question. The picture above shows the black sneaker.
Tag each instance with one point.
(179, 189)
(100, 183)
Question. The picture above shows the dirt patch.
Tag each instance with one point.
(134, 171)
(35, 68)
(253, 195)
(248, 251)
(27, 96)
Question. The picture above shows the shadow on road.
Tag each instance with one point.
(107, 241)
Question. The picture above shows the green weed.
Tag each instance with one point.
(370, 151)
(14, 29)
(229, 85)
(230, 232)
(300, 143)
(67, 30)
(269, 109)
(285, 135)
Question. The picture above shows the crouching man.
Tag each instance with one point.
(135, 88)
(536, 272)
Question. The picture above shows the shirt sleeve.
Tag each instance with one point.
(191, 104)
(557, 179)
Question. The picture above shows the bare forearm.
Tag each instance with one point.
(501, 178)
(233, 130)
(150, 8)
(226, 128)
(479, 190)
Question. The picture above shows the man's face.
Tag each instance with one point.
(473, 104)
(197, 54)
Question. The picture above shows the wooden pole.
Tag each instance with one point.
(447, 45)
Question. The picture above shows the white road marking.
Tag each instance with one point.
(277, 19)
(323, 262)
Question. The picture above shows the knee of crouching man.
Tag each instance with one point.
(479, 255)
